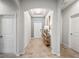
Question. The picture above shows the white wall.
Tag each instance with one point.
(7, 7)
(58, 27)
(51, 14)
(0, 25)
(20, 31)
(29, 4)
(27, 28)
(67, 13)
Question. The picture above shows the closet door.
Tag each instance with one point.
(37, 29)
(9, 33)
(74, 33)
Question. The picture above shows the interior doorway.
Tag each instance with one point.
(74, 33)
(37, 30)
(7, 34)
(38, 24)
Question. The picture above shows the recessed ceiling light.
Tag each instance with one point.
(37, 10)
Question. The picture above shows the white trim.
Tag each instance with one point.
(58, 54)
(15, 15)
(69, 36)
(66, 45)
(20, 53)
(54, 53)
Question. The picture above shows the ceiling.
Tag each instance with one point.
(38, 12)
(67, 3)
(42, 12)
(18, 2)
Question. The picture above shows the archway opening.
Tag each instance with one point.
(38, 27)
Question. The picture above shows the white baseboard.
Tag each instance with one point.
(66, 45)
(54, 53)
(21, 53)
(27, 43)
(7, 52)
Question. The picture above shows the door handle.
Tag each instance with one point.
(70, 33)
(1, 36)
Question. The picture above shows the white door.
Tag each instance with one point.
(37, 29)
(74, 33)
(9, 34)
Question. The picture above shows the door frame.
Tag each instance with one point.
(39, 29)
(15, 15)
(32, 25)
(69, 36)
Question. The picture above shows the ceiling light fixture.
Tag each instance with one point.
(37, 10)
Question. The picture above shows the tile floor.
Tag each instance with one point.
(37, 49)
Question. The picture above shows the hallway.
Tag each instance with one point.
(27, 27)
(36, 48)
